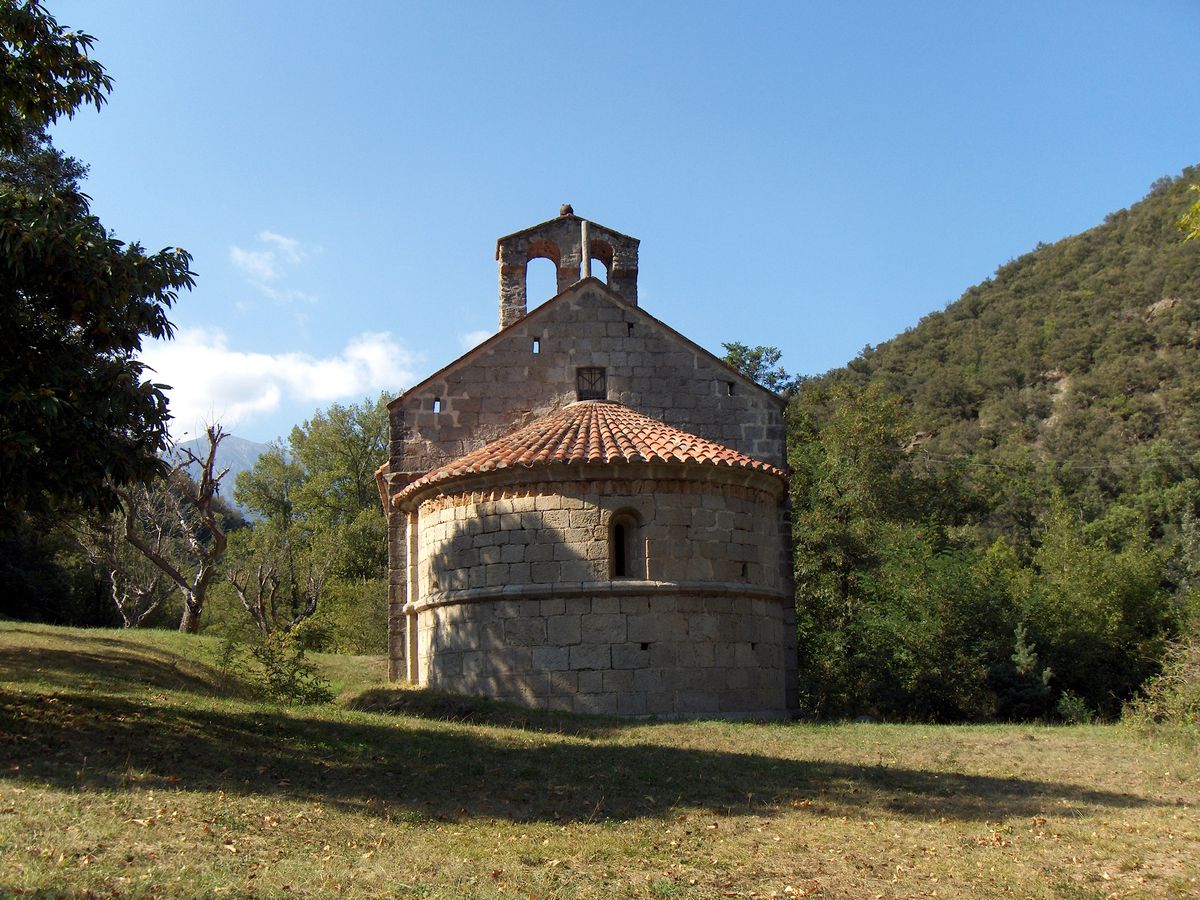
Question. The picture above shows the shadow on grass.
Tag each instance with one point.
(440, 706)
(437, 771)
(119, 664)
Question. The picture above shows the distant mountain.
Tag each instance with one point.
(235, 453)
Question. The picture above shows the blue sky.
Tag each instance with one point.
(814, 176)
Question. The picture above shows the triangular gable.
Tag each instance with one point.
(558, 299)
(565, 217)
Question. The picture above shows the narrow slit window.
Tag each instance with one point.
(590, 383)
(537, 346)
(629, 325)
(624, 560)
(728, 388)
(437, 404)
(620, 551)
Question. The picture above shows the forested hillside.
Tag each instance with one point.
(1081, 354)
(1025, 463)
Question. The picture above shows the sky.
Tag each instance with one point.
(811, 176)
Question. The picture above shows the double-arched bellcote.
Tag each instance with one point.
(571, 244)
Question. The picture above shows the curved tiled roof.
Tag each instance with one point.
(587, 433)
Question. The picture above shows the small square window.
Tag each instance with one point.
(590, 383)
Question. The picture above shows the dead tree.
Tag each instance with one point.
(259, 590)
(137, 587)
(257, 596)
(189, 506)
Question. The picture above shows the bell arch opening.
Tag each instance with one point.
(601, 258)
(541, 272)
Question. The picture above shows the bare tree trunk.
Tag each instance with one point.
(190, 622)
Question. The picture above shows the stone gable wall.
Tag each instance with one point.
(648, 369)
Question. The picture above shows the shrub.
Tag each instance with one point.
(274, 668)
(1169, 703)
(1073, 709)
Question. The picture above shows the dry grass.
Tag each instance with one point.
(126, 770)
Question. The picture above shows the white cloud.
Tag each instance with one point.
(473, 339)
(286, 295)
(288, 248)
(273, 260)
(259, 265)
(210, 381)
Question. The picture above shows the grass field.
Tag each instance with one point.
(127, 769)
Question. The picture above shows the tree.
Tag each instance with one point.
(850, 483)
(323, 485)
(190, 509)
(761, 364)
(78, 421)
(45, 70)
(1101, 617)
(277, 576)
(268, 488)
(136, 585)
(320, 540)
(895, 615)
(1189, 222)
(339, 449)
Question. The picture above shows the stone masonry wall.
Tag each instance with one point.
(556, 532)
(517, 600)
(674, 655)
(504, 385)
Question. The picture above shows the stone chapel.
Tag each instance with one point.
(588, 511)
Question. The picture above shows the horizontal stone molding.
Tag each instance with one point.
(624, 587)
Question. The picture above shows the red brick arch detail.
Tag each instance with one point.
(544, 248)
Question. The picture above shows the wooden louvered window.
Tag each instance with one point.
(590, 383)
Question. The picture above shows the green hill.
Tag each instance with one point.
(996, 511)
(1079, 358)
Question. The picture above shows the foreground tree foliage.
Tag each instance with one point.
(45, 70)
(312, 564)
(78, 420)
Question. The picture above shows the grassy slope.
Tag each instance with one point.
(124, 770)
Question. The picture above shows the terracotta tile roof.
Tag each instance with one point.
(587, 433)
